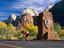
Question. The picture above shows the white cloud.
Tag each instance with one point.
(32, 1)
(3, 18)
(3, 13)
(32, 4)
(28, 4)
(18, 6)
(36, 8)
(52, 0)
(23, 6)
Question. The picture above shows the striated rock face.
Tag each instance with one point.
(26, 19)
(32, 12)
(45, 27)
(27, 16)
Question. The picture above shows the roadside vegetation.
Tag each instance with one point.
(11, 32)
(59, 30)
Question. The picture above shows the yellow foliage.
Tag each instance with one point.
(27, 26)
(33, 30)
(2, 24)
(21, 35)
(22, 29)
(36, 28)
(15, 31)
(18, 30)
(11, 30)
(62, 32)
(10, 25)
(14, 27)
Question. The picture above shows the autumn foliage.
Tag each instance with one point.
(13, 32)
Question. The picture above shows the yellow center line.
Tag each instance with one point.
(4, 44)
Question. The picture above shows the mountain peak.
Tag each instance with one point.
(30, 11)
(13, 16)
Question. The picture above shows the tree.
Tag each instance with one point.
(3, 28)
(33, 30)
(57, 28)
(10, 31)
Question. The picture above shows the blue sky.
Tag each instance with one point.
(16, 6)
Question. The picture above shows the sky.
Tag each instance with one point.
(8, 7)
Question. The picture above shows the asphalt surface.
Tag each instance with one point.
(35, 44)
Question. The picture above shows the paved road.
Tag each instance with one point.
(35, 44)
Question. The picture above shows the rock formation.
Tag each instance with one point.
(27, 16)
(45, 27)
(12, 17)
(27, 19)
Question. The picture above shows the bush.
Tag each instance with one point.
(57, 28)
(7, 30)
(62, 34)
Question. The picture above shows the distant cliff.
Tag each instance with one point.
(12, 19)
(58, 12)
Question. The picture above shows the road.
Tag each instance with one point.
(35, 44)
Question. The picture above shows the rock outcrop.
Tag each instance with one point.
(27, 16)
(13, 19)
(45, 27)
(27, 19)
